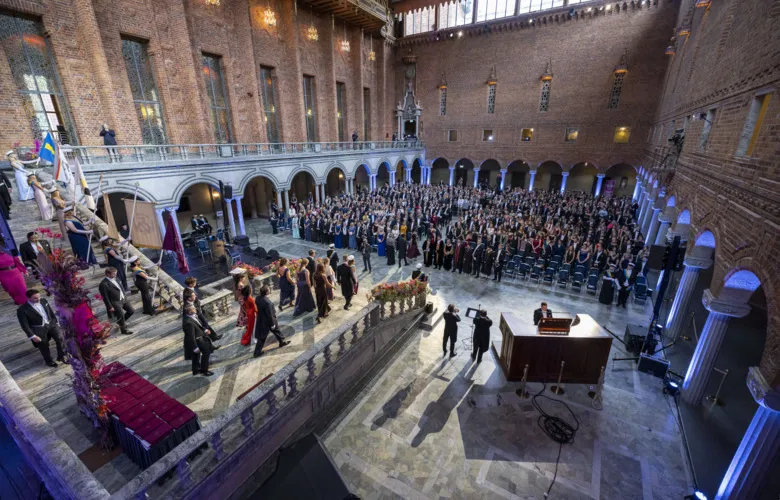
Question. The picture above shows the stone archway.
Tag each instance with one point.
(382, 174)
(548, 176)
(302, 186)
(400, 171)
(489, 173)
(440, 171)
(258, 196)
(619, 180)
(582, 177)
(336, 182)
(464, 169)
(416, 171)
(517, 175)
(362, 179)
(200, 199)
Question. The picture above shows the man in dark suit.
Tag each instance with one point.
(333, 256)
(600, 258)
(498, 266)
(311, 264)
(625, 278)
(451, 320)
(197, 345)
(482, 326)
(190, 299)
(400, 243)
(39, 323)
(30, 249)
(542, 312)
(115, 300)
(346, 279)
(266, 322)
(479, 254)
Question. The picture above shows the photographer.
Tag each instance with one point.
(482, 326)
(451, 320)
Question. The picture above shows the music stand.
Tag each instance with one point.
(468, 343)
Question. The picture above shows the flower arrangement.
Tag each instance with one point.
(401, 290)
(83, 336)
(293, 265)
(251, 270)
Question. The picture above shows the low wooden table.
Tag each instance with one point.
(584, 350)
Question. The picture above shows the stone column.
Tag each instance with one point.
(240, 210)
(476, 177)
(503, 178)
(637, 188)
(316, 193)
(682, 298)
(392, 178)
(665, 222)
(452, 175)
(649, 216)
(160, 221)
(599, 182)
(279, 199)
(643, 206)
(372, 182)
(323, 195)
(759, 447)
(710, 340)
(230, 217)
(408, 173)
(655, 221)
(172, 213)
(565, 176)
(286, 202)
(532, 179)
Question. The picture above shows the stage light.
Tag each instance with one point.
(697, 495)
(671, 387)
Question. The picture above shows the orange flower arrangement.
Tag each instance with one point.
(401, 290)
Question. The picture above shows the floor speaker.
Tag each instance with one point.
(652, 365)
(634, 338)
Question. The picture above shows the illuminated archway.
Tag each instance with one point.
(548, 176)
(440, 171)
(619, 180)
(582, 177)
(517, 175)
(463, 167)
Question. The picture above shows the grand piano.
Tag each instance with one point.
(578, 340)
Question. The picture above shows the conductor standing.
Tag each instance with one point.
(482, 326)
(451, 320)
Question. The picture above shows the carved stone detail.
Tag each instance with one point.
(762, 393)
(713, 304)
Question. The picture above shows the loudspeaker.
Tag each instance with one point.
(652, 365)
(634, 338)
(228, 192)
(241, 241)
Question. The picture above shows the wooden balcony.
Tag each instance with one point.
(370, 15)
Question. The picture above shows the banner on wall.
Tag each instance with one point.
(108, 214)
(145, 231)
(609, 188)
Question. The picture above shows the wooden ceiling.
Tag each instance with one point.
(371, 15)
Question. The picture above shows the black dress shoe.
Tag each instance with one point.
(258, 355)
(127, 332)
(452, 354)
(51, 363)
(284, 343)
(216, 347)
(217, 337)
(61, 359)
(207, 373)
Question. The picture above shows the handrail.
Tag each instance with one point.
(63, 472)
(150, 153)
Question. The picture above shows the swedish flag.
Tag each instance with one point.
(49, 149)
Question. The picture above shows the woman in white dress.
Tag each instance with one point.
(40, 198)
(295, 232)
(25, 191)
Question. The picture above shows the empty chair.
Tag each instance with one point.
(536, 273)
(640, 291)
(549, 276)
(557, 258)
(510, 269)
(554, 265)
(576, 282)
(563, 278)
(203, 248)
(579, 268)
(566, 267)
(221, 234)
(593, 283)
(530, 260)
(517, 259)
(233, 254)
(523, 270)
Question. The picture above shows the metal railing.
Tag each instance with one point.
(257, 412)
(97, 155)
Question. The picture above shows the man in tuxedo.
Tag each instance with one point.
(346, 279)
(197, 345)
(311, 264)
(479, 254)
(542, 312)
(600, 258)
(266, 322)
(333, 256)
(498, 266)
(482, 326)
(625, 278)
(39, 323)
(400, 243)
(204, 224)
(190, 299)
(30, 249)
(451, 320)
(115, 300)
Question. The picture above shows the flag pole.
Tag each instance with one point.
(89, 246)
(132, 218)
(157, 278)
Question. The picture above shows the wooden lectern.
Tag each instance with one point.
(584, 348)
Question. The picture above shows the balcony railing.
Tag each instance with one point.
(96, 155)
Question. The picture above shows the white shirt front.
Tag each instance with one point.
(42, 311)
(114, 282)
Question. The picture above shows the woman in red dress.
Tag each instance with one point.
(250, 309)
(12, 273)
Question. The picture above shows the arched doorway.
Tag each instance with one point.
(302, 186)
(335, 183)
(489, 173)
(362, 179)
(548, 176)
(258, 196)
(464, 176)
(416, 171)
(582, 177)
(619, 180)
(200, 199)
(517, 175)
(400, 171)
(382, 175)
(440, 171)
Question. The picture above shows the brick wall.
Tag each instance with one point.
(729, 58)
(86, 37)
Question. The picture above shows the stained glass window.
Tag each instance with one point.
(544, 101)
(341, 98)
(35, 74)
(218, 101)
(443, 101)
(617, 88)
(269, 104)
(144, 90)
(491, 108)
(310, 108)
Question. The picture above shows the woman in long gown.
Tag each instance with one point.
(305, 302)
(40, 198)
(439, 257)
(25, 191)
(414, 249)
(79, 238)
(380, 243)
(240, 282)
(337, 237)
(321, 287)
(250, 309)
(286, 284)
(12, 273)
(307, 228)
(330, 275)
(143, 283)
(352, 237)
(607, 294)
(448, 256)
(467, 260)
(295, 233)
(390, 250)
(59, 210)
